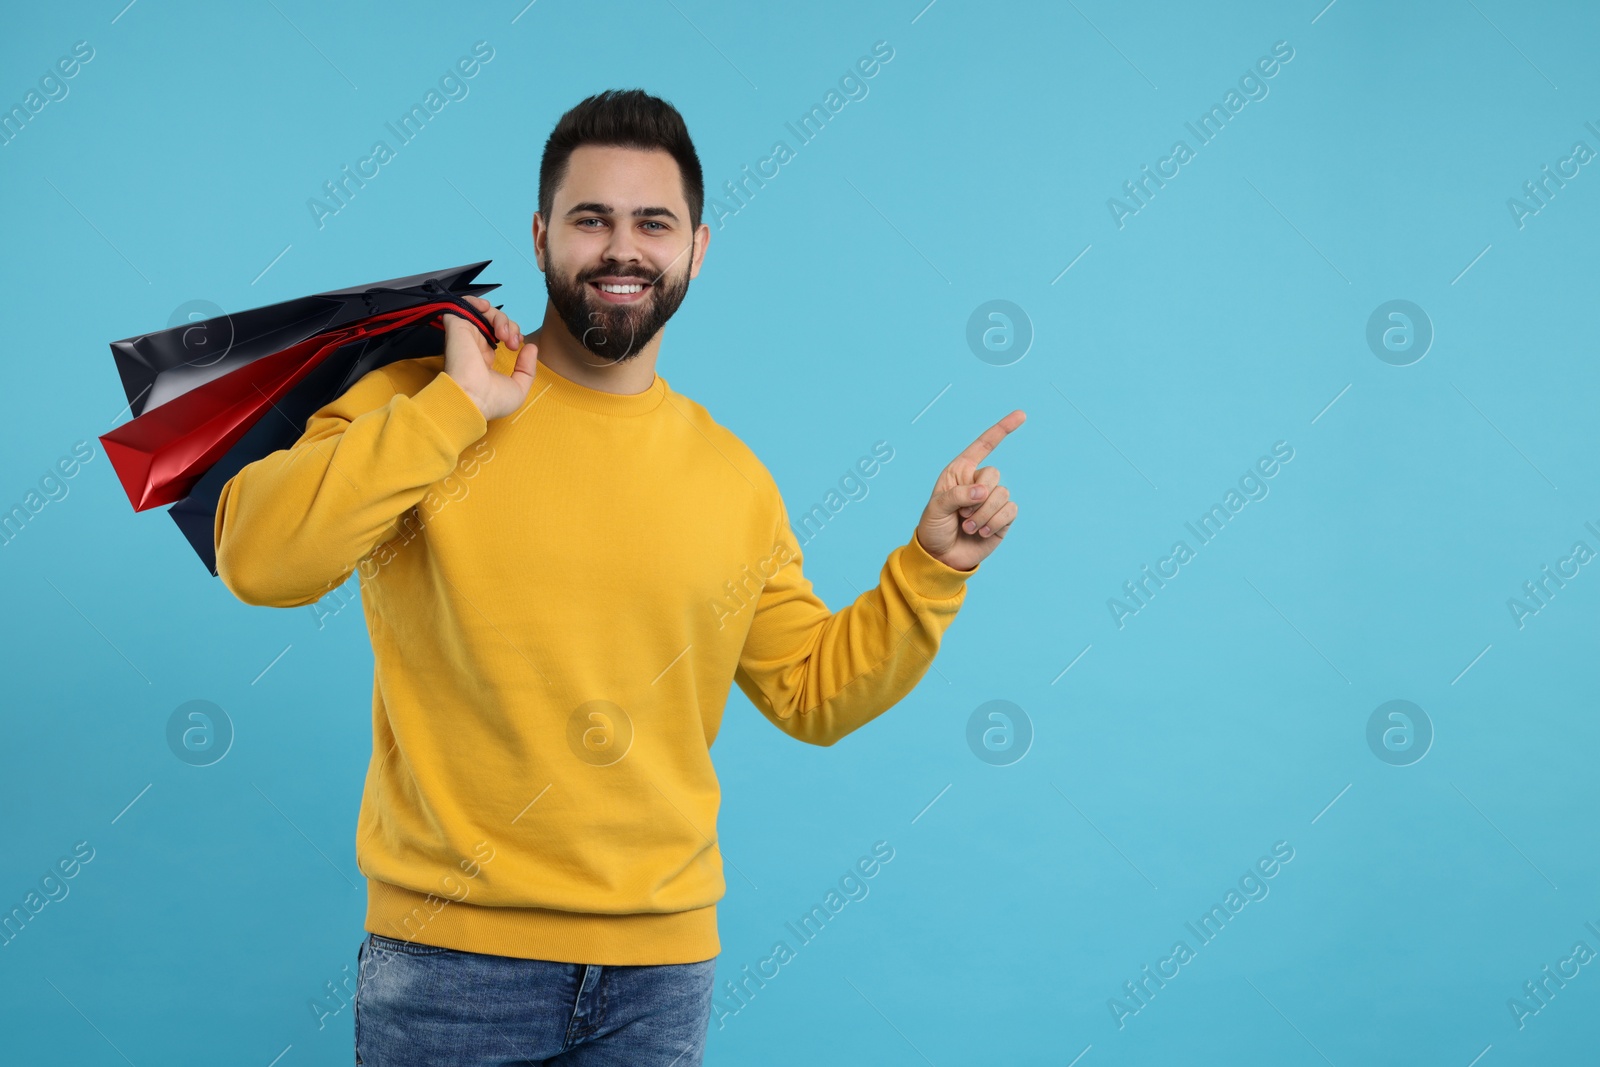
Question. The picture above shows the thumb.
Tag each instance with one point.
(527, 362)
(959, 496)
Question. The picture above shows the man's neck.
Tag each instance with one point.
(562, 353)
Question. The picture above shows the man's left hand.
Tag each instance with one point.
(970, 511)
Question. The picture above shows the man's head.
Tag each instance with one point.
(620, 195)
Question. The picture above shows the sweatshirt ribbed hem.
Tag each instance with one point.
(542, 933)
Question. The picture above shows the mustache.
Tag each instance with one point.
(642, 276)
(620, 272)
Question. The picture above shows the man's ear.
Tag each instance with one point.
(703, 239)
(540, 236)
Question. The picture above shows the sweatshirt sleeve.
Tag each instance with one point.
(295, 523)
(816, 674)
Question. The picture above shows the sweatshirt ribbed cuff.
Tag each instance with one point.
(930, 577)
(449, 408)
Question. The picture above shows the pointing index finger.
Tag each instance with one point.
(990, 438)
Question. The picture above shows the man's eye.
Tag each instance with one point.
(656, 224)
(582, 221)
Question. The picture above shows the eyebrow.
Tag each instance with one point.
(590, 207)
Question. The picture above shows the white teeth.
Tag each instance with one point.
(605, 287)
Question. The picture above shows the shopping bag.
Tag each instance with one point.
(195, 427)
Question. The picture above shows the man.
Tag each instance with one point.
(564, 565)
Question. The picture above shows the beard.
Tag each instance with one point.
(614, 332)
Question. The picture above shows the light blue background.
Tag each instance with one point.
(1223, 317)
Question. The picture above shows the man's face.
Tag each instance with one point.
(619, 219)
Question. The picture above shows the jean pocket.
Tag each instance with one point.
(406, 948)
(361, 954)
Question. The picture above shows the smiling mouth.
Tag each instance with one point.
(621, 294)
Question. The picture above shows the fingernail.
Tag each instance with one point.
(969, 526)
(977, 492)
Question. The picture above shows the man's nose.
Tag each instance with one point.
(623, 246)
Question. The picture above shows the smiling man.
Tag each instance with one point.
(554, 645)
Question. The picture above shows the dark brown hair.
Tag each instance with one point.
(624, 118)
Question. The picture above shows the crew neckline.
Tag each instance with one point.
(548, 383)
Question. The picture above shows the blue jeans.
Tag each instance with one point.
(419, 1006)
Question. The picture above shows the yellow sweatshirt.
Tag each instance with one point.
(558, 601)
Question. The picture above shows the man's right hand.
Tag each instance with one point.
(470, 361)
